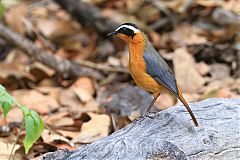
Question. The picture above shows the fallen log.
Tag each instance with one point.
(170, 134)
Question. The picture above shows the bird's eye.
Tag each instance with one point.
(124, 29)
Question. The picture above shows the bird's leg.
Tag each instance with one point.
(155, 96)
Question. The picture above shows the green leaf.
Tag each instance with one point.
(2, 88)
(6, 108)
(32, 121)
(36, 118)
(6, 100)
(34, 127)
(1, 8)
(24, 109)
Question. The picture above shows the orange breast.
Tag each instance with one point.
(137, 65)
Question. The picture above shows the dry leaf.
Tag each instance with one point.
(104, 49)
(224, 93)
(202, 68)
(95, 129)
(49, 137)
(232, 5)
(59, 119)
(69, 98)
(85, 83)
(84, 89)
(64, 146)
(219, 71)
(77, 46)
(5, 148)
(148, 13)
(69, 134)
(186, 34)
(113, 61)
(14, 18)
(8, 69)
(223, 34)
(122, 18)
(73, 43)
(83, 94)
(78, 118)
(34, 100)
(37, 67)
(40, 12)
(91, 106)
(158, 40)
(187, 76)
(207, 3)
(211, 89)
(15, 115)
(176, 5)
(62, 52)
(55, 28)
(65, 121)
(227, 88)
(51, 91)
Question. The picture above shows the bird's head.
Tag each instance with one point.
(128, 32)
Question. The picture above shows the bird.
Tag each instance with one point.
(147, 67)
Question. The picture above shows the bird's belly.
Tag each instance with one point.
(144, 80)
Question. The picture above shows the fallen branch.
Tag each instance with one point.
(62, 66)
(170, 134)
(102, 67)
(88, 15)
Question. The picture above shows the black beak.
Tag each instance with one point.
(112, 33)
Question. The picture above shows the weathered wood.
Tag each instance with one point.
(170, 134)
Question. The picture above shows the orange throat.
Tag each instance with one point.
(137, 66)
(136, 47)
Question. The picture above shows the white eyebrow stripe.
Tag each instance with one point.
(135, 30)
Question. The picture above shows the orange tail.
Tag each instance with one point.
(187, 107)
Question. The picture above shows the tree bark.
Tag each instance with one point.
(170, 134)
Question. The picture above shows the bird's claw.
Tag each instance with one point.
(146, 114)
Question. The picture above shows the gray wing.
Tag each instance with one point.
(157, 68)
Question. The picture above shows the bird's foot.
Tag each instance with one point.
(151, 115)
(147, 114)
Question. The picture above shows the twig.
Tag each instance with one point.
(46, 43)
(15, 141)
(160, 23)
(41, 3)
(102, 67)
(60, 65)
(114, 123)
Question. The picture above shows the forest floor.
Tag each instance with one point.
(200, 40)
